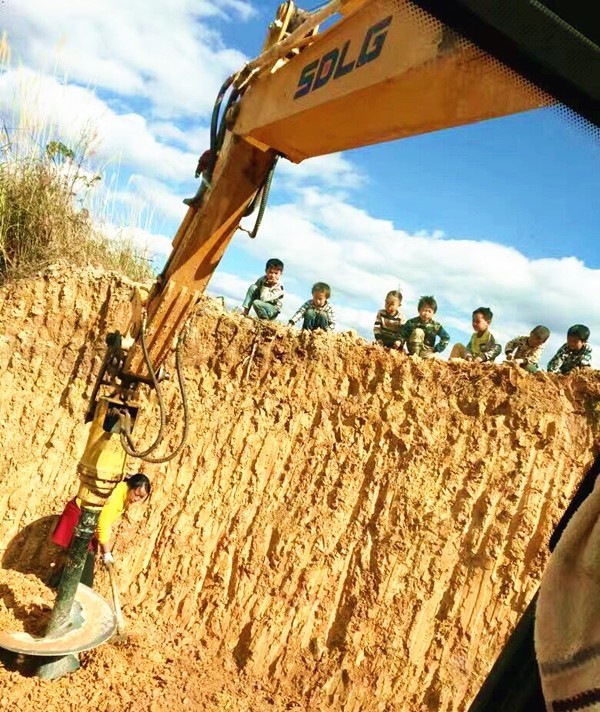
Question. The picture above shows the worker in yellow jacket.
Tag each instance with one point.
(133, 489)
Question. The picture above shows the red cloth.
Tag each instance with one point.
(65, 527)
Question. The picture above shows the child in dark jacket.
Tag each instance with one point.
(421, 332)
(575, 353)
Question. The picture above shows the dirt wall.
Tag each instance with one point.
(347, 528)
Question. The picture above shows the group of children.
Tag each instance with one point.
(265, 296)
(422, 335)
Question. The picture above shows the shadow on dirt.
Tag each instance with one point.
(32, 552)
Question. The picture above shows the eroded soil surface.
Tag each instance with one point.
(346, 529)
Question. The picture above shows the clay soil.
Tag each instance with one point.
(25, 603)
(154, 666)
(346, 529)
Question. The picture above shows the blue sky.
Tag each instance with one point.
(501, 213)
(529, 180)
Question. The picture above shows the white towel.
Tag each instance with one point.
(567, 625)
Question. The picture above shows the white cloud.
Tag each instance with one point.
(151, 244)
(142, 79)
(165, 53)
(195, 138)
(359, 320)
(231, 286)
(48, 105)
(153, 198)
(333, 170)
(243, 9)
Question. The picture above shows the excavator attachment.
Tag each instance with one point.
(92, 623)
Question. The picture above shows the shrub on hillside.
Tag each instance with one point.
(42, 218)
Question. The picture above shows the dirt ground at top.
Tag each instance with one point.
(347, 528)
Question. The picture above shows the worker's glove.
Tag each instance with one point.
(108, 558)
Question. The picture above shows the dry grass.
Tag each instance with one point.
(42, 220)
(46, 187)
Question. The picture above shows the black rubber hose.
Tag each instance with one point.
(186, 418)
(126, 441)
(264, 197)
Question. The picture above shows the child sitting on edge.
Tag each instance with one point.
(482, 346)
(316, 312)
(266, 294)
(575, 353)
(388, 322)
(526, 351)
(420, 333)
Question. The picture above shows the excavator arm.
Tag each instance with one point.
(384, 70)
(381, 70)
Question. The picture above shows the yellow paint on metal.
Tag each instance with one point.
(103, 461)
(387, 71)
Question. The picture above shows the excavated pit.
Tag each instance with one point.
(347, 528)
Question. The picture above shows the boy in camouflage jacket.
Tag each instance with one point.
(421, 332)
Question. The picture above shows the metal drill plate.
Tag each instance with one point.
(93, 622)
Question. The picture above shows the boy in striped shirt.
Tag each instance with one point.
(525, 351)
(316, 313)
(389, 321)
